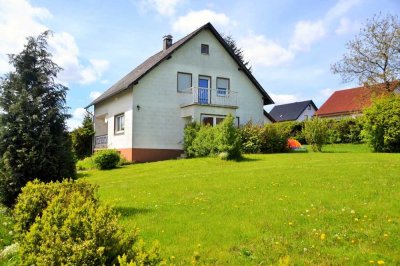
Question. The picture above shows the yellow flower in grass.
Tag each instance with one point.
(371, 261)
(322, 236)
(380, 262)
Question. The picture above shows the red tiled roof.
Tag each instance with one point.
(349, 101)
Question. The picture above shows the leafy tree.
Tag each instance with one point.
(373, 57)
(34, 142)
(237, 50)
(82, 138)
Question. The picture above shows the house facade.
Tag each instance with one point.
(197, 78)
(298, 111)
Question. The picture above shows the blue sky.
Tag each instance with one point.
(290, 43)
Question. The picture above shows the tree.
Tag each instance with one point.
(373, 57)
(34, 142)
(82, 138)
(236, 50)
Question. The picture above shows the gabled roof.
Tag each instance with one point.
(290, 111)
(139, 72)
(349, 101)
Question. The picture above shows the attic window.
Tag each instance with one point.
(309, 107)
(205, 49)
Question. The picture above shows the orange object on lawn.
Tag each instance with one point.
(294, 144)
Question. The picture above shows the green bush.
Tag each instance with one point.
(189, 135)
(35, 197)
(346, 130)
(228, 138)
(251, 136)
(71, 227)
(316, 133)
(274, 138)
(200, 141)
(106, 159)
(85, 164)
(382, 124)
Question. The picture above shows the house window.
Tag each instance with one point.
(222, 86)
(184, 81)
(205, 49)
(213, 120)
(309, 107)
(119, 124)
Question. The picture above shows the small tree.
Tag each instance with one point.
(374, 55)
(236, 50)
(34, 142)
(382, 124)
(82, 138)
(316, 133)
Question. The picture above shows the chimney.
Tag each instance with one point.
(167, 42)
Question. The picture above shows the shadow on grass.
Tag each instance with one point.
(130, 211)
(247, 159)
(81, 175)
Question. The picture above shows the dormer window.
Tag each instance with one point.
(205, 49)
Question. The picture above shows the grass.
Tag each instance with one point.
(333, 208)
(6, 237)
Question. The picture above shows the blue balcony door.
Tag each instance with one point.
(204, 87)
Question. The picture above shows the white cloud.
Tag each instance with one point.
(340, 8)
(347, 26)
(195, 19)
(327, 92)
(163, 7)
(283, 98)
(306, 33)
(94, 94)
(77, 117)
(19, 19)
(263, 52)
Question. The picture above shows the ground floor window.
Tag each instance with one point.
(214, 120)
(119, 124)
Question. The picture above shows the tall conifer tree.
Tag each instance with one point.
(34, 142)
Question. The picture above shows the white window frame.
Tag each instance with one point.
(177, 81)
(223, 92)
(119, 124)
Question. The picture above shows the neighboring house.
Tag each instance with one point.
(350, 102)
(197, 78)
(298, 111)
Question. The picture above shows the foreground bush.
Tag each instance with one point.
(316, 133)
(382, 124)
(71, 227)
(106, 159)
(200, 141)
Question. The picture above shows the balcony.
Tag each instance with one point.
(207, 96)
(101, 142)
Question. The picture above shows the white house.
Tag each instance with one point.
(197, 78)
(298, 111)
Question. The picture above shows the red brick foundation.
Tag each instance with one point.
(149, 155)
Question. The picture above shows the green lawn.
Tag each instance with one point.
(333, 208)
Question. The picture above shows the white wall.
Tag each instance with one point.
(307, 114)
(121, 103)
